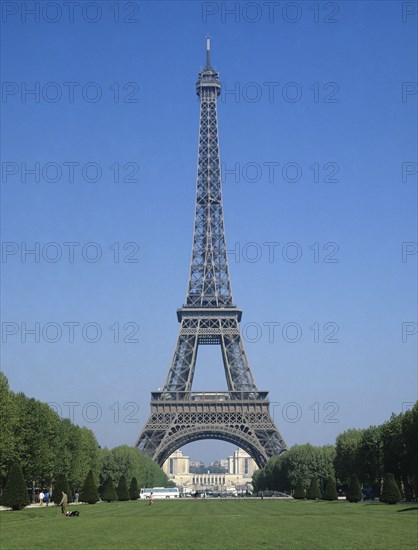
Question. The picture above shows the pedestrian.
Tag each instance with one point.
(76, 497)
(47, 497)
(63, 503)
(41, 497)
(150, 500)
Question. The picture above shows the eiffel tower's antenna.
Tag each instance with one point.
(209, 317)
(208, 51)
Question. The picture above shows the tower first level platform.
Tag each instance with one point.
(241, 418)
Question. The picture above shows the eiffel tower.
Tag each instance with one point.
(209, 317)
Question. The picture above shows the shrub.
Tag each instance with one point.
(314, 491)
(15, 494)
(89, 492)
(123, 493)
(354, 493)
(390, 491)
(134, 489)
(60, 484)
(299, 491)
(330, 492)
(108, 492)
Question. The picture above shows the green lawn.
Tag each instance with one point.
(214, 524)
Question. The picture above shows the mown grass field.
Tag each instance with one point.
(214, 524)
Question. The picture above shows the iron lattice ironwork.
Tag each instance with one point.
(209, 317)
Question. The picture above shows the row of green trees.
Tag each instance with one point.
(388, 448)
(44, 444)
(129, 462)
(109, 492)
(15, 494)
(361, 457)
(298, 466)
(47, 447)
(314, 491)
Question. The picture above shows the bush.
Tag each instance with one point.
(123, 493)
(390, 491)
(313, 491)
(60, 484)
(108, 492)
(330, 492)
(299, 491)
(354, 493)
(15, 494)
(134, 489)
(89, 492)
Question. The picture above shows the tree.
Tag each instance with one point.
(279, 476)
(258, 480)
(60, 484)
(134, 489)
(130, 462)
(300, 464)
(370, 459)
(410, 463)
(393, 446)
(82, 454)
(15, 494)
(108, 492)
(330, 492)
(123, 493)
(37, 440)
(299, 491)
(354, 493)
(9, 427)
(390, 491)
(89, 492)
(346, 457)
(314, 491)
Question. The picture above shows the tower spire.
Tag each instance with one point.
(208, 51)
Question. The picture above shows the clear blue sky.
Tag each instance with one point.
(329, 96)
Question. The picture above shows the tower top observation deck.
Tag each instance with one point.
(208, 77)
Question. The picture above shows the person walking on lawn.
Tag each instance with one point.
(63, 503)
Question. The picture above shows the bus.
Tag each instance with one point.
(159, 492)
